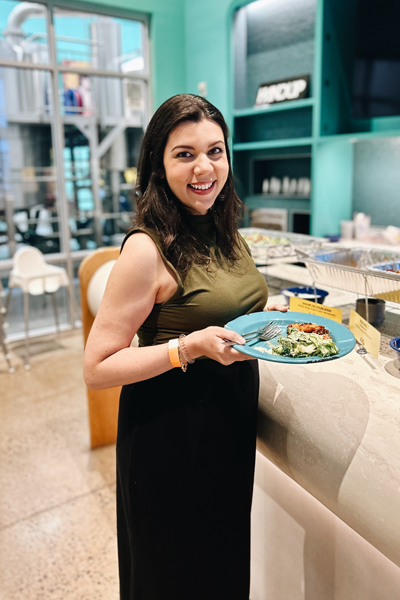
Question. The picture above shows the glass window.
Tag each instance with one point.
(110, 131)
(28, 195)
(105, 98)
(23, 31)
(98, 41)
(100, 124)
(79, 189)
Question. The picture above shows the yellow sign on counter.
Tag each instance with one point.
(312, 308)
(364, 333)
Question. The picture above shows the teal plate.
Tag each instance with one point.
(342, 337)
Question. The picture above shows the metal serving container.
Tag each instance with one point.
(286, 244)
(387, 267)
(354, 270)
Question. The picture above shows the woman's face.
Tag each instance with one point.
(196, 165)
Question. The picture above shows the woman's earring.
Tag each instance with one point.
(221, 197)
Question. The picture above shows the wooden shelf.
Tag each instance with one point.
(279, 106)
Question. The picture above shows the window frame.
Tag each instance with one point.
(58, 120)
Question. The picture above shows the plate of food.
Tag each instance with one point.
(303, 338)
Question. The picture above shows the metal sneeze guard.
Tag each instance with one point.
(354, 270)
(291, 242)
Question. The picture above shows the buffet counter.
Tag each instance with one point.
(326, 508)
(333, 427)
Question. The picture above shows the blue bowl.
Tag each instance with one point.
(395, 344)
(305, 293)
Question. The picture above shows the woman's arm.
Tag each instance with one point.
(136, 283)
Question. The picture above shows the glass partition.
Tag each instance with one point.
(29, 212)
(77, 194)
(99, 41)
(73, 108)
(78, 189)
(23, 31)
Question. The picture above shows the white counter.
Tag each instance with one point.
(334, 427)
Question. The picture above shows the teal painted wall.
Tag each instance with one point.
(332, 177)
(376, 185)
(207, 25)
(167, 42)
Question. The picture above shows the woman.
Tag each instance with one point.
(186, 436)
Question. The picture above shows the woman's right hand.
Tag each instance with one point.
(210, 342)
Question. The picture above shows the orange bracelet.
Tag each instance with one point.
(173, 352)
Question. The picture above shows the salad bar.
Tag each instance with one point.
(267, 244)
(367, 272)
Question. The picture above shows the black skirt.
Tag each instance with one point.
(185, 469)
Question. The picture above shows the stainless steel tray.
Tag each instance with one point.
(262, 253)
(354, 270)
(387, 267)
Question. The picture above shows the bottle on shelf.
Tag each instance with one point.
(265, 186)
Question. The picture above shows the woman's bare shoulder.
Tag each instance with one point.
(136, 266)
(139, 242)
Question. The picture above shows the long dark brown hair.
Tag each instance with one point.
(157, 206)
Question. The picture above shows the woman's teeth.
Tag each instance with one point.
(205, 186)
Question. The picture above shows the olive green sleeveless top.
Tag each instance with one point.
(211, 295)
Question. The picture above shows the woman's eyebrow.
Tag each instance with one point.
(187, 148)
(191, 147)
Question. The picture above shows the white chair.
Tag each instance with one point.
(34, 276)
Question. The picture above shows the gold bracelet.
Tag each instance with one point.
(183, 350)
(173, 352)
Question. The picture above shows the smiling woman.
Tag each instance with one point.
(196, 173)
(186, 146)
(186, 435)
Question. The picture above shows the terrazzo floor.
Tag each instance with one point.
(57, 498)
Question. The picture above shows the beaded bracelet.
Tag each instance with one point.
(184, 363)
(178, 354)
(183, 350)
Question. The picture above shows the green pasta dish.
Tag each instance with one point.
(299, 344)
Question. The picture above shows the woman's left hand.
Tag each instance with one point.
(280, 307)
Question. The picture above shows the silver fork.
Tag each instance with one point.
(251, 334)
(269, 331)
(271, 334)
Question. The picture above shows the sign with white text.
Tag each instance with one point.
(283, 90)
